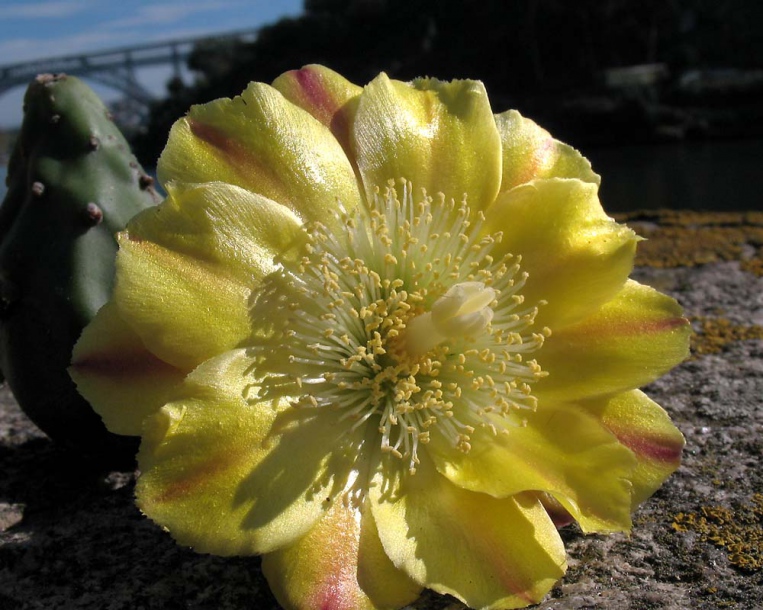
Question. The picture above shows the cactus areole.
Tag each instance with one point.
(72, 184)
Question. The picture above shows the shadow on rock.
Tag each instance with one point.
(71, 537)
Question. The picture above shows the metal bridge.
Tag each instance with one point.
(116, 68)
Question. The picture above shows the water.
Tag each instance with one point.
(711, 175)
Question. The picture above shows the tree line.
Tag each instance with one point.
(529, 53)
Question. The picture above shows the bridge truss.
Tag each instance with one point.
(116, 68)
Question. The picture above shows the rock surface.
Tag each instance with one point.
(71, 537)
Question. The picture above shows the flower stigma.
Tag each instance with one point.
(399, 316)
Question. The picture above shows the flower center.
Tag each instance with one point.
(402, 319)
(464, 310)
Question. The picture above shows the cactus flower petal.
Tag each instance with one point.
(440, 136)
(112, 367)
(324, 94)
(558, 450)
(339, 564)
(529, 153)
(201, 257)
(645, 428)
(488, 552)
(233, 231)
(193, 292)
(576, 256)
(403, 345)
(633, 339)
(228, 473)
(263, 143)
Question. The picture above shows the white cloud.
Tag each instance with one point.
(42, 10)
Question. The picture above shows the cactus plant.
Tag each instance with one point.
(72, 184)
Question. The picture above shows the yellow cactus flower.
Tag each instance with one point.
(386, 339)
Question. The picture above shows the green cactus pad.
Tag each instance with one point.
(72, 184)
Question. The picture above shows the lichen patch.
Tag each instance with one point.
(739, 532)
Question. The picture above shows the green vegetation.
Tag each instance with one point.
(72, 183)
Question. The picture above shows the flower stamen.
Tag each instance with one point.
(403, 319)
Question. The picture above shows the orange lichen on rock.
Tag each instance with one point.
(739, 532)
(676, 238)
(713, 334)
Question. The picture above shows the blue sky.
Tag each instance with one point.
(38, 29)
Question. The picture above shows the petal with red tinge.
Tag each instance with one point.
(263, 143)
(529, 152)
(561, 450)
(338, 565)
(488, 552)
(636, 337)
(645, 428)
(326, 95)
(118, 376)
